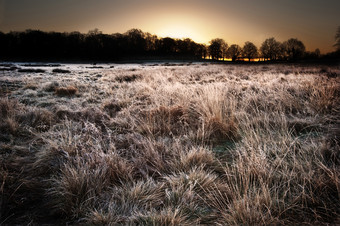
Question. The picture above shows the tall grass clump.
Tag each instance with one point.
(66, 91)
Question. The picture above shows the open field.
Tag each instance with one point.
(169, 144)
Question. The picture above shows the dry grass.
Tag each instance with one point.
(325, 98)
(180, 145)
(66, 91)
(127, 77)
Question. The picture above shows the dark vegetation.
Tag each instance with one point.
(31, 70)
(33, 45)
(134, 44)
(58, 70)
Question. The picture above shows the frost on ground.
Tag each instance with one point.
(172, 144)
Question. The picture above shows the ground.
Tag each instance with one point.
(169, 143)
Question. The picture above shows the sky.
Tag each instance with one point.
(236, 21)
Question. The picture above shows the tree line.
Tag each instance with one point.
(136, 44)
(271, 49)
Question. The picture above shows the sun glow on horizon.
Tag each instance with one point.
(180, 32)
(180, 27)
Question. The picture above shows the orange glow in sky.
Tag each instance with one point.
(178, 31)
(180, 26)
(312, 21)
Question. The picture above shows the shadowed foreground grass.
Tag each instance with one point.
(200, 144)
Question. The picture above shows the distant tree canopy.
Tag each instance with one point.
(217, 48)
(136, 44)
(294, 49)
(249, 50)
(234, 52)
(271, 49)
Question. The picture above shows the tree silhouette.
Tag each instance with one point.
(203, 51)
(224, 49)
(184, 46)
(36, 45)
(294, 49)
(270, 49)
(167, 46)
(94, 32)
(93, 42)
(151, 41)
(134, 44)
(136, 41)
(217, 48)
(249, 50)
(337, 39)
(234, 52)
(317, 53)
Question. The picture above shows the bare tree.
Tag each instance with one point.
(249, 50)
(234, 52)
(94, 32)
(294, 49)
(204, 50)
(217, 48)
(270, 49)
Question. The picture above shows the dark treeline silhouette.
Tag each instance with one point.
(134, 44)
(270, 50)
(32, 45)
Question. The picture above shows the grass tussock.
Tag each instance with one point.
(186, 145)
(31, 86)
(113, 107)
(19, 120)
(128, 78)
(167, 120)
(219, 131)
(325, 99)
(66, 91)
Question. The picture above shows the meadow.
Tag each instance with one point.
(170, 144)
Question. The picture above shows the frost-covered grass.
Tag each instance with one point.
(170, 144)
